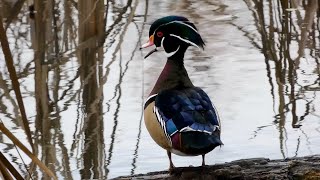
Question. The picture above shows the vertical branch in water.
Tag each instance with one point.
(292, 74)
(41, 69)
(58, 135)
(54, 17)
(271, 51)
(280, 74)
(268, 37)
(68, 27)
(311, 11)
(307, 24)
(118, 90)
(91, 21)
(135, 155)
(42, 30)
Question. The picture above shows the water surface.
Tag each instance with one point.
(260, 67)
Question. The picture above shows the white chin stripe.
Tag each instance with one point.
(185, 40)
(171, 53)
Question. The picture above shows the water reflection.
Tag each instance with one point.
(48, 136)
(91, 25)
(282, 28)
(83, 81)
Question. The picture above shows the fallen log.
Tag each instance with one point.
(299, 168)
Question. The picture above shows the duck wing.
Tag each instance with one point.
(188, 118)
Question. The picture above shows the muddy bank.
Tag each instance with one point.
(257, 168)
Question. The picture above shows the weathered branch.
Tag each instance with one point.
(257, 168)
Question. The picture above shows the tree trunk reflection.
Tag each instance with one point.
(91, 25)
(279, 32)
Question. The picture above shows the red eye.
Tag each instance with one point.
(159, 34)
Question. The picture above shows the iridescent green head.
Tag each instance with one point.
(173, 34)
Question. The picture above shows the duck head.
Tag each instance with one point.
(174, 34)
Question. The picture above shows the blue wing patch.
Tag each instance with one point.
(186, 110)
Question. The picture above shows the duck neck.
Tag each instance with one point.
(174, 75)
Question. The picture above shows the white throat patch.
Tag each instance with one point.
(171, 53)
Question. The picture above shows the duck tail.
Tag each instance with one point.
(215, 140)
(199, 142)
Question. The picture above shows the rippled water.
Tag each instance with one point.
(260, 67)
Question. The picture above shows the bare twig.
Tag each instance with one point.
(14, 79)
(26, 150)
(9, 166)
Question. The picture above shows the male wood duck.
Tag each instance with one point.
(179, 116)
